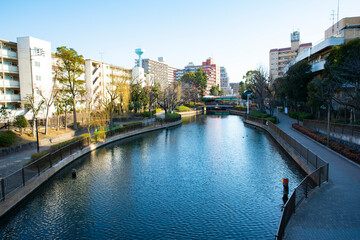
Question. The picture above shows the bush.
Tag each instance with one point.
(7, 139)
(301, 115)
(240, 108)
(21, 123)
(190, 105)
(158, 110)
(132, 124)
(172, 115)
(344, 150)
(99, 135)
(271, 119)
(115, 131)
(182, 109)
(259, 115)
(158, 119)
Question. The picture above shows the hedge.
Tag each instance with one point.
(7, 138)
(172, 116)
(99, 135)
(182, 109)
(259, 115)
(132, 124)
(343, 149)
(301, 115)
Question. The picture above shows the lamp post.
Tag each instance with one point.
(247, 93)
(37, 135)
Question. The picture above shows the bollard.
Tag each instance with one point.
(73, 173)
(285, 182)
(2, 189)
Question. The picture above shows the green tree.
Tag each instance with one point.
(343, 67)
(138, 97)
(21, 123)
(214, 90)
(71, 67)
(196, 81)
(295, 83)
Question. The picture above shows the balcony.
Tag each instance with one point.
(10, 98)
(9, 68)
(8, 54)
(11, 83)
(318, 66)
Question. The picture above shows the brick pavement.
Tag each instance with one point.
(332, 211)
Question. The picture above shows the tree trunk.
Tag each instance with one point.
(110, 117)
(65, 119)
(46, 120)
(75, 119)
(33, 127)
(58, 122)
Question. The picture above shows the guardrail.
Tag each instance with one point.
(315, 179)
(18, 179)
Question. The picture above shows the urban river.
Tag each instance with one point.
(211, 178)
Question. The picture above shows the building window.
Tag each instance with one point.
(38, 78)
(37, 64)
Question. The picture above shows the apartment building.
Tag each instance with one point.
(224, 81)
(341, 32)
(211, 69)
(279, 58)
(25, 70)
(98, 75)
(157, 71)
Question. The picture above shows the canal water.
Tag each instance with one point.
(211, 178)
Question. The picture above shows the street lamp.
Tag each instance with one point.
(247, 93)
(37, 135)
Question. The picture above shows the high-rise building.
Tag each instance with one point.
(25, 70)
(341, 32)
(280, 57)
(235, 88)
(224, 79)
(209, 67)
(158, 71)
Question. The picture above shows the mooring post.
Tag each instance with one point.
(285, 182)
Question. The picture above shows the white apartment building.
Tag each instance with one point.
(158, 71)
(98, 75)
(25, 69)
(341, 32)
(224, 79)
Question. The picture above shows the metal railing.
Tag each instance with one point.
(300, 193)
(315, 179)
(18, 179)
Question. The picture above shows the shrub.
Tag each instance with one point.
(259, 115)
(132, 124)
(271, 119)
(7, 139)
(115, 131)
(301, 115)
(344, 150)
(182, 109)
(145, 114)
(158, 118)
(172, 115)
(190, 105)
(158, 110)
(21, 123)
(99, 135)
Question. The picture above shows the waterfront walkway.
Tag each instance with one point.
(333, 210)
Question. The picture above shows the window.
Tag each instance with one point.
(38, 78)
(37, 64)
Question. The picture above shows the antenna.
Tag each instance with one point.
(101, 55)
(332, 17)
(338, 14)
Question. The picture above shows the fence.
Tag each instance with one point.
(320, 175)
(19, 178)
(349, 133)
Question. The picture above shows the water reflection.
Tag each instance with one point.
(211, 178)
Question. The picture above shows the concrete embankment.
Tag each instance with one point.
(19, 195)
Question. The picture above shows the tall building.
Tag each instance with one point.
(25, 70)
(224, 79)
(235, 88)
(98, 75)
(341, 32)
(158, 71)
(209, 67)
(280, 57)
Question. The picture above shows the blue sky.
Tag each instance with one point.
(237, 34)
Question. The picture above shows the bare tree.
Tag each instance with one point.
(35, 107)
(258, 82)
(170, 97)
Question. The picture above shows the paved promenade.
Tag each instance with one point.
(333, 210)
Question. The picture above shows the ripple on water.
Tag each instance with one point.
(211, 179)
